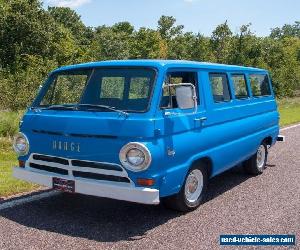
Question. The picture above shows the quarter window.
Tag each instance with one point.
(220, 87)
(260, 85)
(240, 86)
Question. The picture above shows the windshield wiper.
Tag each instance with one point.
(56, 107)
(98, 106)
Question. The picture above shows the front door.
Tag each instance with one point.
(174, 119)
(181, 129)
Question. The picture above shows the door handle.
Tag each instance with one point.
(201, 119)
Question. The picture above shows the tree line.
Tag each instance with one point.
(34, 41)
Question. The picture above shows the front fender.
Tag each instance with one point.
(173, 180)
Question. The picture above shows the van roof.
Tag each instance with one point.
(160, 64)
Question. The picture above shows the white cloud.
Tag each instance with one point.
(68, 3)
(190, 1)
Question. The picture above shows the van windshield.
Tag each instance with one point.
(102, 89)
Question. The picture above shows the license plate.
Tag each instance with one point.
(63, 185)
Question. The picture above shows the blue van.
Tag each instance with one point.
(146, 131)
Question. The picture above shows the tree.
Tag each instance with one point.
(124, 27)
(147, 44)
(110, 43)
(285, 67)
(181, 46)
(221, 42)
(33, 41)
(167, 28)
(246, 48)
(80, 35)
(287, 30)
(200, 49)
(26, 29)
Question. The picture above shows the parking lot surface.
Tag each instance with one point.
(236, 204)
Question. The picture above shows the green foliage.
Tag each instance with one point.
(8, 184)
(110, 44)
(75, 37)
(146, 44)
(9, 123)
(221, 43)
(167, 28)
(287, 30)
(26, 30)
(17, 90)
(34, 41)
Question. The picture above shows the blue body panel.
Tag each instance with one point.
(231, 134)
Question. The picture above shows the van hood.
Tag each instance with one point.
(99, 135)
(88, 123)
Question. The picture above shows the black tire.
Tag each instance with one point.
(179, 201)
(251, 166)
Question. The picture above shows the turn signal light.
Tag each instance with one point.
(22, 164)
(145, 182)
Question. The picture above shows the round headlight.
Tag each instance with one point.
(21, 144)
(135, 156)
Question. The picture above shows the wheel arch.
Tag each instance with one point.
(206, 162)
(268, 140)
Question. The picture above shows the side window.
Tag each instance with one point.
(240, 86)
(220, 87)
(260, 85)
(112, 87)
(168, 99)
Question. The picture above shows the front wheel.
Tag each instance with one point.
(257, 163)
(192, 192)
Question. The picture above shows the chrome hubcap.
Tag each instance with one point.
(193, 185)
(260, 158)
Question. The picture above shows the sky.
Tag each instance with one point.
(196, 15)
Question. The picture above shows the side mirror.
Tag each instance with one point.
(186, 96)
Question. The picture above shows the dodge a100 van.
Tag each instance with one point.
(146, 131)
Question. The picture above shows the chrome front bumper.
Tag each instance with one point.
(93, 187)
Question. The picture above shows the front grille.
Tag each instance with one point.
(98, 165)
(49, 169)
(72, 168)
(101, 177)
(50, 159)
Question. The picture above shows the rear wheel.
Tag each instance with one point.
(257, 163)
(192, 192)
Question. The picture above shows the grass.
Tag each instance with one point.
(8, 184)
(289, 109)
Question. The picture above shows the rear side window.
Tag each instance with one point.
(260, 85)
(219, 86)
(240, 86)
